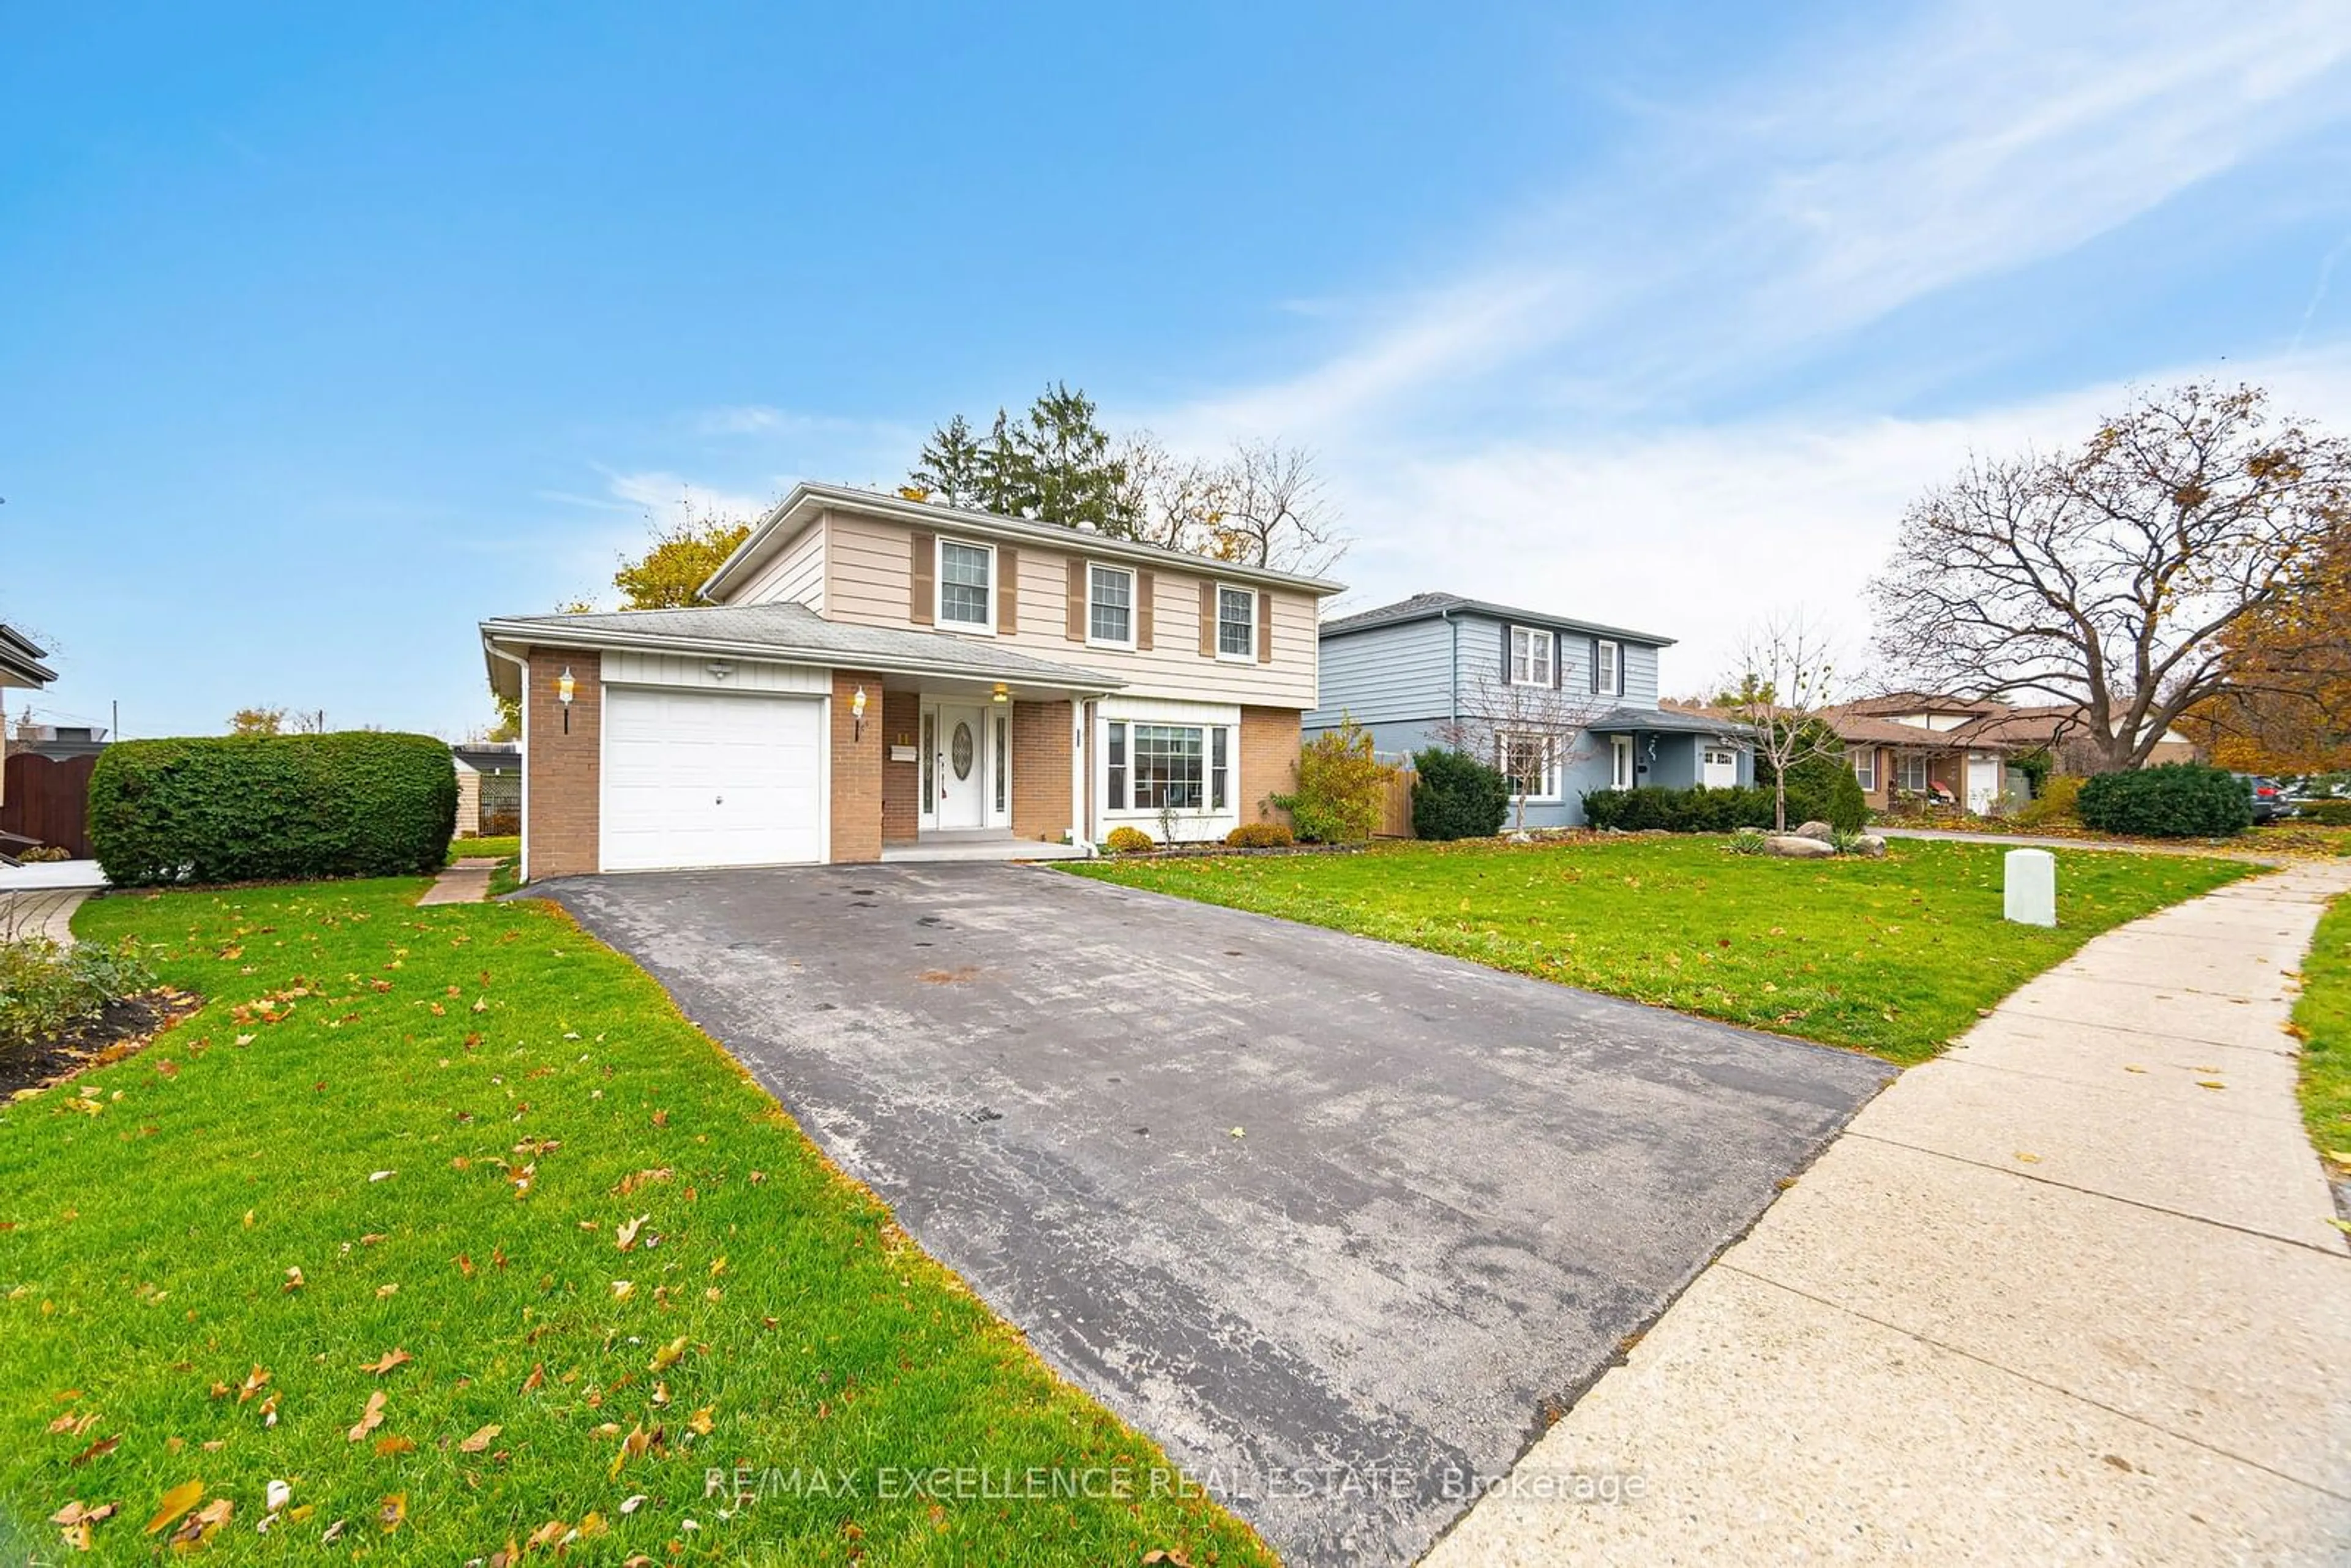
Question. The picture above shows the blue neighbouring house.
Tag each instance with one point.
(1562, 706)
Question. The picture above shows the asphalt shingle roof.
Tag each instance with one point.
(794, 631)
(1425, 606)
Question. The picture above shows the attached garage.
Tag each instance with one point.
(701, 778)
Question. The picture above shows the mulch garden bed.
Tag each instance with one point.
(123, 1029)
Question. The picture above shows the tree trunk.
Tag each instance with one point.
(1780, 800)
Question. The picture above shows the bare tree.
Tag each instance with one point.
(1172, 500)
(1529, 730)
(1786, 675)
(1277, 512)
(2113, 579)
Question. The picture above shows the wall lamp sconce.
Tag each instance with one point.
(564, 686)
(719, 669)
(857, 714)
(1002, 694)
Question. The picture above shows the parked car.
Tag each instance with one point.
(2270, 802)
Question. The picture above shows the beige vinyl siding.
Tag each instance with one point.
(868, 563)
(795, 577)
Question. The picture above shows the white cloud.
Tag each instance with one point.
(1694, 531)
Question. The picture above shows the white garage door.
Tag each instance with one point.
(697, 779)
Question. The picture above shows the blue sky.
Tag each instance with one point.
(325, 333)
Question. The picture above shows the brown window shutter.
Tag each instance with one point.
(1207, 621)
(1077, 632)
(1008, 593)
(1264, 627)
(922, 592)
(1145, 585)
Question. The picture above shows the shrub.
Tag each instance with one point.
(276, 807)
(1822, 789)
(1700, 810)
(1260, 836)
(2052, 802)
(46, 991)
(2327, 813)
(1128, 841)
(1455, 796)
(1747, 842)
(2175, 800)
(1340, 783)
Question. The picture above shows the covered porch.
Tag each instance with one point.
(1673, 749)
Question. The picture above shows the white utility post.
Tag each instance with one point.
(2031, 882)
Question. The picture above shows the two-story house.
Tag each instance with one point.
(1562, 706)
(875, 677)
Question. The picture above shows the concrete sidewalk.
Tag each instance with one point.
(466, 880)
(44, 911)
(2069, 1292)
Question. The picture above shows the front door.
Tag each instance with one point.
(960, 766)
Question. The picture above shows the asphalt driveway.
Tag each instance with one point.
(1340, 1224)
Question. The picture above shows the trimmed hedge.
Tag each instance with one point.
(271, 809)
(1126, 840)
(1455, 796)
(2174, 800)
(1260, 836)
(1694, 810)
(2326, 813)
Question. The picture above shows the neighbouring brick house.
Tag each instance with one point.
(874, 677)
(1959, 750)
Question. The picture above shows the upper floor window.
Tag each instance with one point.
(1110, 606)
(1607, 669)
(1235, 622)
(967, 576)
(1532, 652)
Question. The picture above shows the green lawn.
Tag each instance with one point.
(426, 1134)
(1893, 956)
(2323, 1017)
(489, 846)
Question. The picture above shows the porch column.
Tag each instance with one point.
(1081, 828)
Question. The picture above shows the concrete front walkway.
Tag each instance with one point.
(2069, 1292)
(465, 881)
(44, 911)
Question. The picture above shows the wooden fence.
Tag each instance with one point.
(49, 800)
(1395, 806)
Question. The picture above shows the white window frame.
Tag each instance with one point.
(1622, 772)
(1524, 640)
(1203, 755)
(986, 626)
(1608, 667)
(1902, 763)
(1550, 793)
(1864, 769)
(1133, 609)
(1256, 631)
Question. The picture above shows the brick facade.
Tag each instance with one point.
(561, 767)
(902, 782)
(1269, 761)
(857, 766)
(1042, 736)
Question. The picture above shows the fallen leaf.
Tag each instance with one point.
(2028, 1159)
(97, 1450)
(382, 1175)
(719, 1265)
(332, 1530)
(2210, 1083)
(670, 1355)
(383, 1290)
(279, 1495)
(392, 1358)
(627, 1234)
(392, 1512)
(623, 1288)
(371, 1418)
(392, 1447)
(255, 1381)
(175, 1504)
(480, 1440)
(537, 1378)
(294, 1279)
(630, 1504)
(700, 1421)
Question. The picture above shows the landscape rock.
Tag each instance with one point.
(1797, 847)
(1815, 830)
(1870, 846)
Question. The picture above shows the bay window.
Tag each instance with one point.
(1168, 768)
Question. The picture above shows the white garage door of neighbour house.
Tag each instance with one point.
(711, 779)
